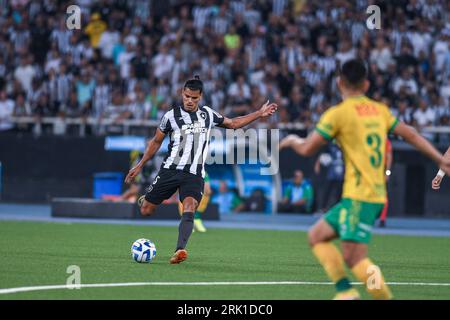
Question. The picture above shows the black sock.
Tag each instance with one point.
(185, 229)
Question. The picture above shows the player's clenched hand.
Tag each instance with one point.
(132, 174)
(268, 109)
(436, 183)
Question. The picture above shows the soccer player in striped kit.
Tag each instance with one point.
(189, 127)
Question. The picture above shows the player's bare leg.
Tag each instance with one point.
(147, 208)
(353, 252)
(185, 229)
(198, 223)
(320, 236)
(321, 231)
(355, 256)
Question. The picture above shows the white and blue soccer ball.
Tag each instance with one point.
(143, 250)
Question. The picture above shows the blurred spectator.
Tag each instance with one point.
(346, 52)
(256, 202)
(298, 195)
(72, 107)
(117, 110)
(95, 29)
(441, 48)
(20, 37)
(163, 63)
(22, 107)
(403, 112)
(40, 39)
(445, 92)
(124, 60)
(140, 64)
(381, 55)
(155, 100)
(108, 41)
(53, 61)
(140, 108)
(423, 117)
(6, 112)
(232, 39)
(102, 95)
(239, 91)
(85, 89)
(60, 35)
(25, 73)
(292, 54)
(406, 59)
(63, 84)
(228, 200)
(43, 107)
(405, 82)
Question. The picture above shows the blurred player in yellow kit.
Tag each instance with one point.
(198, 223)
(360, 126)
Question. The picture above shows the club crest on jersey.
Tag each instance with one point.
(191, 128)
(203, 115)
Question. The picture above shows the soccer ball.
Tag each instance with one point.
(143, 250)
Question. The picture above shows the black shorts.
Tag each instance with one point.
(167, 182)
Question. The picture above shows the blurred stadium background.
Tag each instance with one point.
(76, 107)
(74, 103)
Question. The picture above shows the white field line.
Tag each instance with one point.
(234, 283)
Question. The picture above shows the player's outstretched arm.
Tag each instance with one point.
(153, 146)
(266, 110)
(305, 147)
(436, 183)
(414, 138)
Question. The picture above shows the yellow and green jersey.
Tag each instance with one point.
(360, 126)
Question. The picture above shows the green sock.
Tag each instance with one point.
(197, 215)
(343, 285)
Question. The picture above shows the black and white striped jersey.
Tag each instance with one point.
(189, 134)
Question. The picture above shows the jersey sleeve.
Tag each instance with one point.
(391, 120)
(165, 125)
(217, 118)
(328, 125)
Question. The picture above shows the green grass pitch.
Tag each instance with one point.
(38, 253)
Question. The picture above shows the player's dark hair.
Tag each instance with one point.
(194, 84)
(354, 72)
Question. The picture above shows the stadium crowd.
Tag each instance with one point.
(130, 57)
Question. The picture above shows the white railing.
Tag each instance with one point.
(128, 123)
(85, 121)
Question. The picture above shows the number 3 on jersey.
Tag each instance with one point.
(374, 142)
